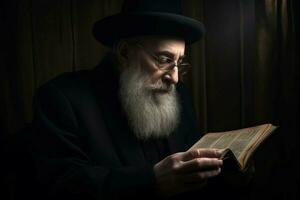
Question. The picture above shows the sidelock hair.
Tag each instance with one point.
(150, 114)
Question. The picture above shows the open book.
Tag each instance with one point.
(237, 145)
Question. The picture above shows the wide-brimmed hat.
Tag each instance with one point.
(146, 18)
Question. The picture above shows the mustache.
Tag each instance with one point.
(160, 86)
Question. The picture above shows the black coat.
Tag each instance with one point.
(82, 146)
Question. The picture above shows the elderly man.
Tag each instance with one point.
(123, 129)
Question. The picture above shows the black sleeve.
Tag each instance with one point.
(188, 118)
(63, 168)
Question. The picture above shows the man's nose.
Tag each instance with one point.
(172, 76)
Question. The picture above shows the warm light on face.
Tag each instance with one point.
(160, 57)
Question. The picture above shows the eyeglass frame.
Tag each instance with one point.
(181, 66)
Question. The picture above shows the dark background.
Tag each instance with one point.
(245, 72)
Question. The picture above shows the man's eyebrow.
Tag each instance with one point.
(169, 54)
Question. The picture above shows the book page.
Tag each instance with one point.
(241, 142)
(264, 132)
(244, 138)
(234, 140)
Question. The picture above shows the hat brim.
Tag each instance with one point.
(119, 26)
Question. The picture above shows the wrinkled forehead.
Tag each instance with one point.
(160, 43)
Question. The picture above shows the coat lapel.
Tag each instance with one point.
(177, 141)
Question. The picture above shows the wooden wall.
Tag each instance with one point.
(39, 40)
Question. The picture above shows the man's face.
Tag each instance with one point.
(147, 92)
(155, 52)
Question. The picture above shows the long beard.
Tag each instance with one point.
(151, 114)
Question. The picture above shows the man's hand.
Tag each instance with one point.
(186, 171)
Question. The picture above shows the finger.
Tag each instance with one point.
(209, 153)
(200, 176)
(199, 164)
(198, 153)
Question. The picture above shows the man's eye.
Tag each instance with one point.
(164, 59)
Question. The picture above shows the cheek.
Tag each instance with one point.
(155, 77)
(153, 74)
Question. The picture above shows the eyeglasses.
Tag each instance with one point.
(166, 64)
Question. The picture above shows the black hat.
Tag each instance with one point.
(145, 18)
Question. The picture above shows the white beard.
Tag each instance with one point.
(151, 114)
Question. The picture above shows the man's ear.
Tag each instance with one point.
(122, 52)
